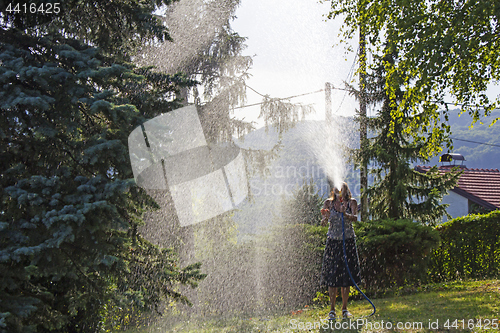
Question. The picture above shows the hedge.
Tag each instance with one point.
(280, 270)
(394, 252)
(470, 248)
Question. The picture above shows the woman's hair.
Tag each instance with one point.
(333, 193)
(346, 193)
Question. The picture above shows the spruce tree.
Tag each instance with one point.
(399, 191)
(303, 207)
(71, 258)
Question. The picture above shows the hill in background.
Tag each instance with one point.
(486, 155)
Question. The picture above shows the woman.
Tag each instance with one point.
(334, 273)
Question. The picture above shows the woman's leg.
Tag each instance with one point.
(345, 296)
(332, 292)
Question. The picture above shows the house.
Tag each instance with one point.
(477, 191)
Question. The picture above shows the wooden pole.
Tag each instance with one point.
(363, 141)
(328, 102)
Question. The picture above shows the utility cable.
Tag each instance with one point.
(279, 99)
(349, 77)
(255, 91)
(479, 143)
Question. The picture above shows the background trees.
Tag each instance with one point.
(209, 51)
(443, 46)
(428, 50)
(399, 191)
(70, 253)
(303, 206)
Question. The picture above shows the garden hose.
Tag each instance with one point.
(349, 271)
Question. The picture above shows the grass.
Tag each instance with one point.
(446, 307)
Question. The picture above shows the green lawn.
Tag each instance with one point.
(445, 307)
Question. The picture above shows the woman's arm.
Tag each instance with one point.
(324, 221)
(354, 211)
(325, 211)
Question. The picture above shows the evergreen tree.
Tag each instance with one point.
(399, 191)
(303, 207)
(214, 58)
(71, 258)
(222, 71)
(211, 55)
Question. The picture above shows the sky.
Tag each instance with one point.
(295, 51)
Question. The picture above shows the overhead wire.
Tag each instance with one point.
(477, 142)
(349, 77)
(318, 91)
(470, 141)
(283, 98)
(280, 99)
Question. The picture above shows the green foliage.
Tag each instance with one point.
(293, 256)
(303, 206)
(117, 27)
(150, 277)
(443, 47)
(70, 253)
(447, 44)
(470, 248)
(394, 252)
(399, 191)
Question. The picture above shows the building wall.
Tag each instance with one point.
(458, 205)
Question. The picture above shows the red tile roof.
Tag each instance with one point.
(481, 186)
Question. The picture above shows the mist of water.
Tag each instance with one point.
(265, 274)
(243, 278)
(192, 25)
(330, 142)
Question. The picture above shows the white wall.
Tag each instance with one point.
(458, 205)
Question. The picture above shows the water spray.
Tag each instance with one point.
(350, 274)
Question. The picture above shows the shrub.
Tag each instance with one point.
(303, 207)
(470, 248)
(291, 258)
(394, 252)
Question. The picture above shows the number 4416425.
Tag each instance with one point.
(33, 8)
(472, 324)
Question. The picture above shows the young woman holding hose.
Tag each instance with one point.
(334, 272)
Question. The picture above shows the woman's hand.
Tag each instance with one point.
(325, 212)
